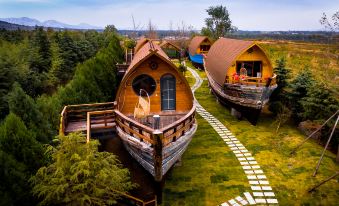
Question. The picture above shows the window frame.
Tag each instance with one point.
(174, 99)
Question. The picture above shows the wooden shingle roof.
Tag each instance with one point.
(222, 55)
(166, 43)
(140, 43)
(147, 50)
(195, 43)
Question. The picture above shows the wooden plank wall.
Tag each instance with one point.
(127, 98)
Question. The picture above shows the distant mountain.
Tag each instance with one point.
(10, 26)
(49, 23)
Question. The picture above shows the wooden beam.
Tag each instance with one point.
(157, 139)
(323, 182)
(328, 142)
(88, 127)
(297, 147)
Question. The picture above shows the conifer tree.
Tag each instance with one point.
(80, 175)
(278, 97)
(25, 107)
(298, 90)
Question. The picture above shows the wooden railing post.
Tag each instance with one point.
(88, 127)
(157, 139)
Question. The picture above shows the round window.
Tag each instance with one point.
(144, 83)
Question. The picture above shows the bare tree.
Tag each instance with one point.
(136, 28)
(333, 25)
(171, 28)
(183, 33)
(282, 117)
(152, 33)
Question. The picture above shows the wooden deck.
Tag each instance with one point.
(86, 118)
(81, 126)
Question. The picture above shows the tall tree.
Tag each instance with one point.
(80, 175)
(151, 31)
(298, 90)
(319, 103)
(278, 97)
(18, 141)
(41, 53)
(69, 57)
(20, 157)
(219, 22)
(25, 107)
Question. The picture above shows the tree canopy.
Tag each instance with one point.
(80, 175)
(218, 24)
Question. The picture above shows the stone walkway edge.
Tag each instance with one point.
(261, 192)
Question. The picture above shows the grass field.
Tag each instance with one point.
(210, 174)
(322, 59)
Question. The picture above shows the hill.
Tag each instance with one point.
(49, 23)
(10, 26)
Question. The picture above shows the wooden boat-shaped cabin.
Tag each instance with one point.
(172, 50)
(240, 75)
(155, 112)
(199, 46)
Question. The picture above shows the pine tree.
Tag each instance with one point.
(25, 107)
(80, 175)
(68, 55)
(319, 103)
(278, 97)
(298, 90)
(18, 141)
(41, 53)
(14, 185)
(6, 81)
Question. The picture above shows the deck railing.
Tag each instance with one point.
(254, 81)
(99, 120)
(170, 133)
(177, 129)
(73, 113)
(134, 128)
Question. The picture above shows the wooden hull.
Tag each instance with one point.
(248, 100)
(143, 152)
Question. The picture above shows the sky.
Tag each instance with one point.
(254, 15)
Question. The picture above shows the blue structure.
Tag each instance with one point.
(198, 58)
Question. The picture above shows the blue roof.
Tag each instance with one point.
(198, 58)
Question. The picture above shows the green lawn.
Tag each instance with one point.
(322, 59)
(210, 173)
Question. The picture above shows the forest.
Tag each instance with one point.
(42, 70)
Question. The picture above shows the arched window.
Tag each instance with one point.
(168, 93)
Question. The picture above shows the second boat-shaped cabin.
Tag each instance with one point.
(172, 50)
(199, 46)
(240, 74)
(155, 110)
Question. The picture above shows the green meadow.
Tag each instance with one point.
(210, 174)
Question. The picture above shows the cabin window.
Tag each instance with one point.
(254, 68)
(168, 93)
(204, 48)
(144, 82)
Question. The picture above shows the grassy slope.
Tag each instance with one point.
(208, 159)
(322, 59)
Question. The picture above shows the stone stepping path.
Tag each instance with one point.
(261, 191)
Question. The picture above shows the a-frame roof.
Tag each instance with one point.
(195, 43)
(223, 54)
(166, 43)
